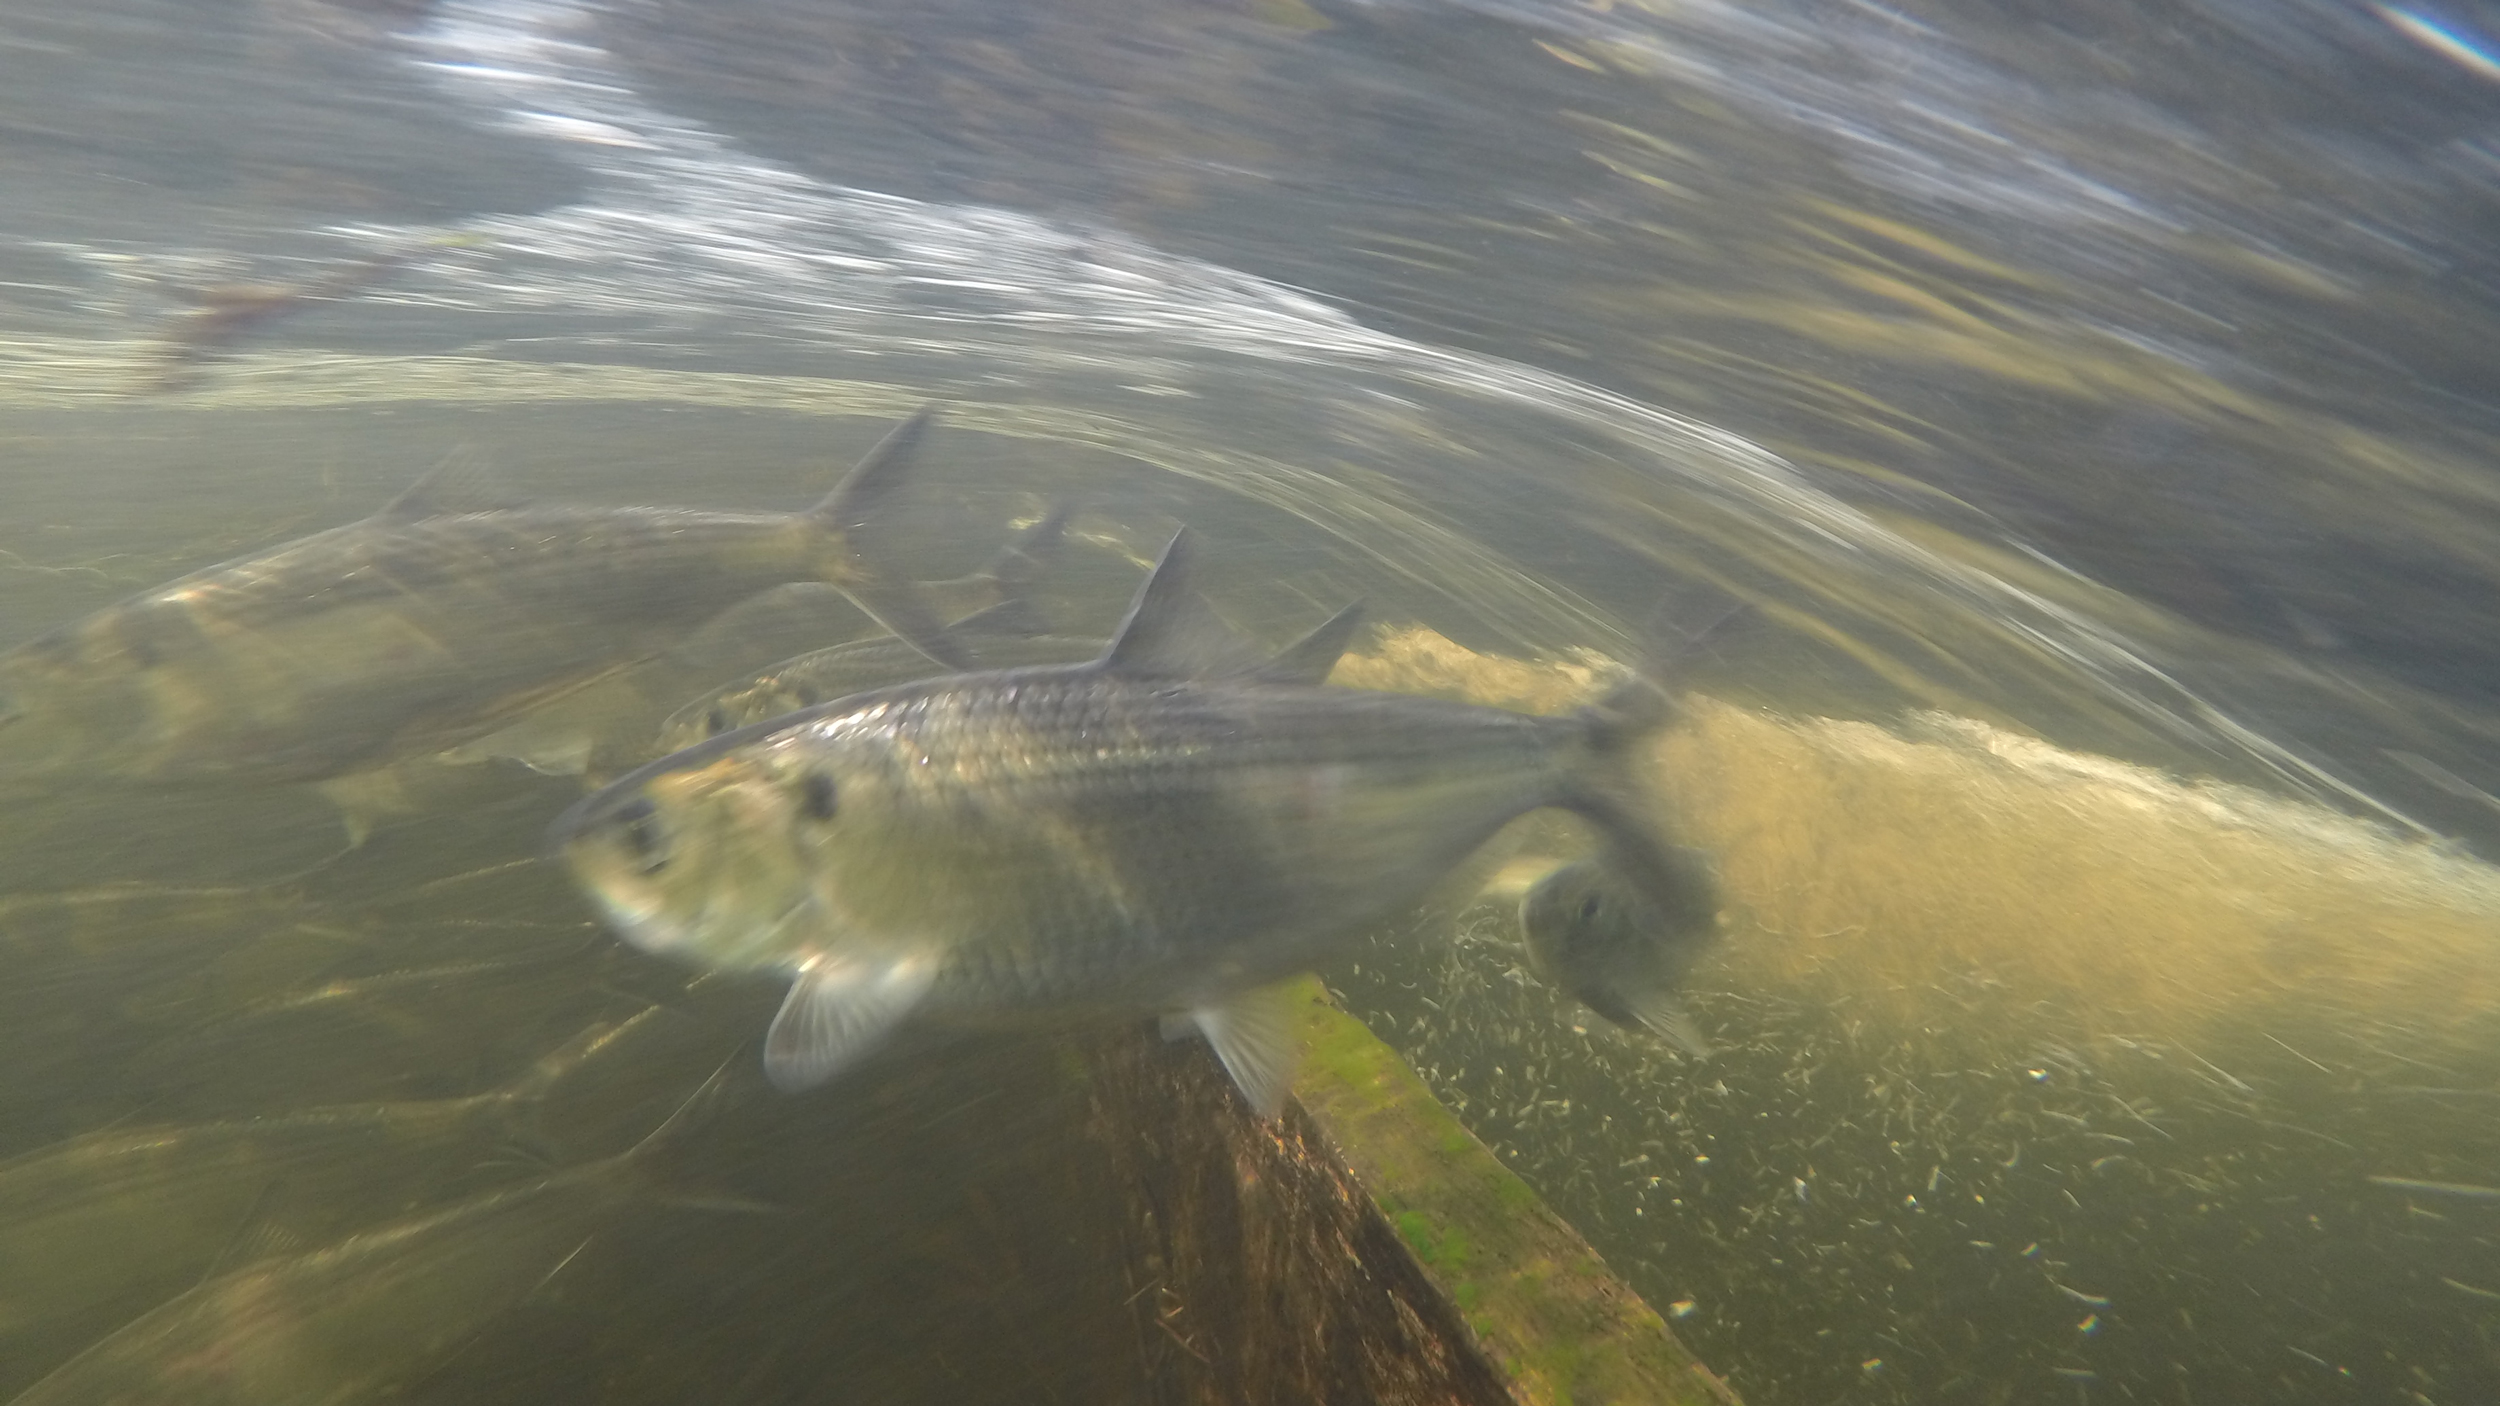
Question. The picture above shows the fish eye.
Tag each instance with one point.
(715, 722)
(816, 796)
(640, 821)
(1589, 907)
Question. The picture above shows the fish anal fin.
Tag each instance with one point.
(839, 1010)
(1253, 1035)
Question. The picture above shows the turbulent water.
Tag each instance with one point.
(2093, 406)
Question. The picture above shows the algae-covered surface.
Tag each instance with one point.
(1537, 1300)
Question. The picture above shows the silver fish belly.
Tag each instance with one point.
(1106, 838)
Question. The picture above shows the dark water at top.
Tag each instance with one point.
(2112, 382)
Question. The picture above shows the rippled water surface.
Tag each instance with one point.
(2093, 403)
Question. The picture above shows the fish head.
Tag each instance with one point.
(1605, 942)
(727, 856)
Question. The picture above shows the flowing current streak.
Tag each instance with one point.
(686, 228)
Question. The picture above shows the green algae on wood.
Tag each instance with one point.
(1540, 1303)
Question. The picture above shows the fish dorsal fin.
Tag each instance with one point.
(860, 494)
(1171, 632)
(463, 481)
(1308, 660)
(839, 1010)
(1253, 1034)
(1154, 637)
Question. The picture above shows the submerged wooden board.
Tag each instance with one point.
(1363, 1247)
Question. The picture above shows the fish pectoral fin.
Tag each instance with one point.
(1663, 1015)
(840, 1009)
(1253, 1034)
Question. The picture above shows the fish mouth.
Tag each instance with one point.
(619, 854)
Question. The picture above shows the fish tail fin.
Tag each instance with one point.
(1007, 582)
(1605, 790)
(850, 512)
(1629, 713)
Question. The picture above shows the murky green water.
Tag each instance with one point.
(2096, 409)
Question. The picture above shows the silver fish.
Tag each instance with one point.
(1620, 951)
(1141, 834)
(417, 629)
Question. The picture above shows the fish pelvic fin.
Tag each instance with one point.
(1253, 1036)
(838, 1011)
(849, 512)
